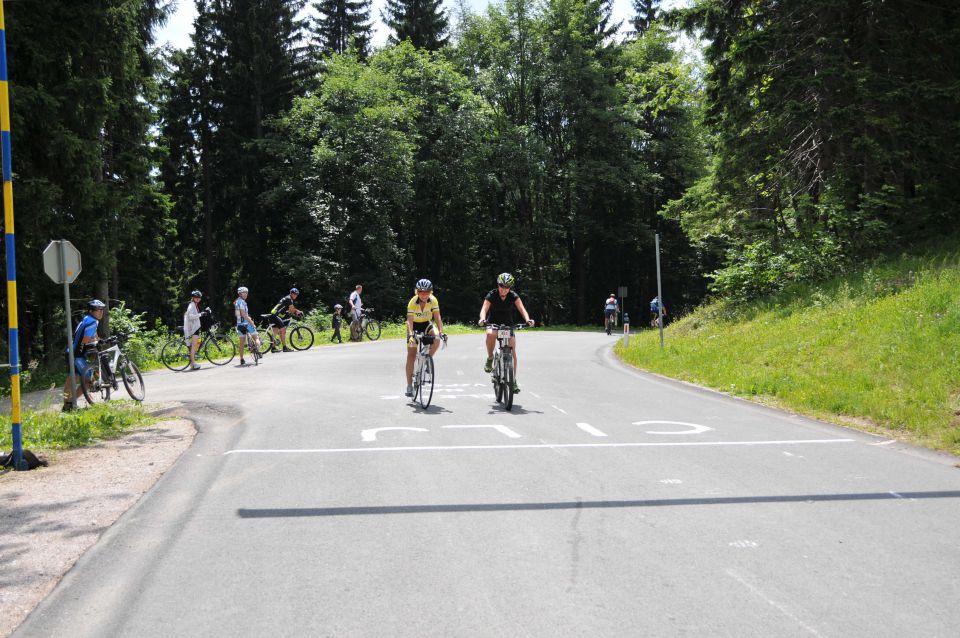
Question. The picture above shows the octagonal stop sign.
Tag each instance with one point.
(61, 261)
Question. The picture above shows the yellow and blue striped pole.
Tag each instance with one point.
(14, 337)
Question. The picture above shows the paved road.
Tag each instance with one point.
(317, 501)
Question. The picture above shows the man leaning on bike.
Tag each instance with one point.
(498, 308)
(84, 339)
(280, 317)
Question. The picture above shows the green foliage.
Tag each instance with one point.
(54, 430)
(875, 348)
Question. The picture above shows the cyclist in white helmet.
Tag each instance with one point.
(421, 309)
(498, 307)
(244, 322)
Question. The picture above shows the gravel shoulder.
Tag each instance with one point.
(52, 515)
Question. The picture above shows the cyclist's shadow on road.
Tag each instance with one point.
(517, 409)
(431, 410)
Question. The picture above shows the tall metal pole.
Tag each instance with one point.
(659, 291)
(69, 322)
(16, 433)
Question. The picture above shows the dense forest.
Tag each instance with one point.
(538, 137)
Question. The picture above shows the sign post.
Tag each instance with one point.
(659, 292)
(61, 262)
(626, 330)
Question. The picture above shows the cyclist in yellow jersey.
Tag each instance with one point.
(421, 309)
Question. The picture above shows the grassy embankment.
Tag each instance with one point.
(878, 349)
(45, 430)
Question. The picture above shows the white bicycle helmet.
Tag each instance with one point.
(425, 285)
(242, 289)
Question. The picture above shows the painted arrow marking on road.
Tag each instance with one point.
(694, 427)
(371, 434)
(502, 429)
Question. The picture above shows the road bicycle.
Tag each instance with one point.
(104, 362)
(299, 335)
(503, 374)
(423, 371)
(215, 347)
(369, 325)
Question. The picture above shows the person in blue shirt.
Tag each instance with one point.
(610, 307)
(244, 322)
(84, 338)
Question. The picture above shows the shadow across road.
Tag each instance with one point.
(574, 505)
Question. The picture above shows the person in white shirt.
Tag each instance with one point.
(356, 310)
(191, 326)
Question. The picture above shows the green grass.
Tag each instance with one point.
(55, 430)
(878, 349)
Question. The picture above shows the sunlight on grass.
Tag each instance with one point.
(879, 349)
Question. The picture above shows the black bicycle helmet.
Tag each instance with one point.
(196, 293)
(294, 291)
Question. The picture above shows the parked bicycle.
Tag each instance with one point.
(503, 373)
(299, 335)
(105, 361)
(423, 370)
(215, 347)
(369, 325)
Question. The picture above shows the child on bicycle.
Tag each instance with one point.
(421, 309)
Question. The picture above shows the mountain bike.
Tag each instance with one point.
(299, 335)
(105, 360)
(215, 347)
(503, 373)
(423, 371)
(369, 325)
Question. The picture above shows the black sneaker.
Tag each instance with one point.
(287, 350)
(67, 406)
(488, 366)
(242, 361)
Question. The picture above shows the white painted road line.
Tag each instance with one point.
(589, 429)
(502, 429)
(428, 448)
(560, 410)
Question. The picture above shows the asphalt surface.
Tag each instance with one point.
(317, 501)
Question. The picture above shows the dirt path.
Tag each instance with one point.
(52, 515)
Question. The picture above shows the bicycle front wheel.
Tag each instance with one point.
(508, 384)
(175, 355)
(132, 379)
(426, 382)
(372, 328)
(497, 380)
(219, 350)
(301, 338)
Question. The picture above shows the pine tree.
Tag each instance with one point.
(423, 22)
(342, 24)
(646, 11)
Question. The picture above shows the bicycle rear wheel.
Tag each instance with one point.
(219, 350)
(426, 382)
(94, 390)
(301, 338)
(175, 355)
(372, 329)
(132, 379)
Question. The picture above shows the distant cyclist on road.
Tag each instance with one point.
(421, 309)
(498, 308)
(84, 338)
(609, 312)
(245, 324)
(657, 310)
(281, 315)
